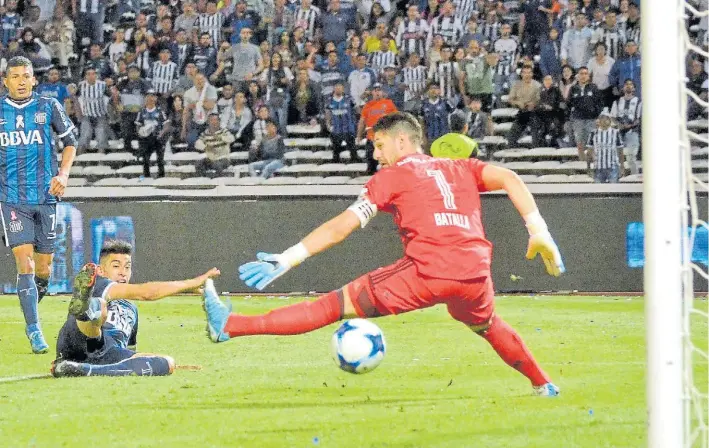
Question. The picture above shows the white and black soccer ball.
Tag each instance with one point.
(358, 346)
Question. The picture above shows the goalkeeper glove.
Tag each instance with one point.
(541, 242)
(259, 274)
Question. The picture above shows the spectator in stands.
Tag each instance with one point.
(215, 142)
(53, 87)
(447, 25)
(434, 112)
(507, 49)
(606, 151)
(92, 100)
(200, 101)
(89, 17)
(334, 23)
(340, 123)
(331, 75)
(412, 33)
(480, 124)
(263, 115)
(599, 67)
(584, 106)
(632, 24)
(568, 80)
(278, 79)
(471, 33)
(414, 77)
(477, 76)
(176, 116)
(270, 153)
(394, 89)
(186, 81)
(205, 56)
(360, 80)
(239, 120)
(305, 96)
(627, 67)
(11, 23)
(697, 83)
(248, 63)
(132, 95)
(627, 113)
(524, 95)
(164, 75)
(550, 117)
(211, 22)
(103, 66)
(376, 108)
(550, 56)
(567, 19)
(306, 18)
(59, 35)
(255, 96)
(534, 24)
(611, 35)
(576, 44)
(153, 127)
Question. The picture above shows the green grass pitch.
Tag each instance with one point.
(439, 385)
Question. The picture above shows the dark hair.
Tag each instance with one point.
(19, 61)
(457, 121)
(401, 122)
(116, 247)
(583, 67)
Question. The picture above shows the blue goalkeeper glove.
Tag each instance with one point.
(541, 243)
(259, 274)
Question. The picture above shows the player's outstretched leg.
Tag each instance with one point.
(289, 320)
(135, 366)
(511, 348)
(83, 283)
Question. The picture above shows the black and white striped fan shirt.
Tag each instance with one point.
(415, 79)
(605, 144)
(627, 110)
(89, 6)
(411, 37)
(212, 24)
(507, 50)
(306, 19)
(164, 76)
(446, 75)
(614, 39)
(464, 9)
(92, 99)
(381, 59)
(491, 31)
(450, 28)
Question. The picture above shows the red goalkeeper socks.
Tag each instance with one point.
(294, 319)
(507, 343)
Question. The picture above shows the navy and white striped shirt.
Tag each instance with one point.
(92, 99)
(435, 116)
(450, 28)
(343, 117)
(605, 144)
(382, 59)
(11, 24)
(28, 159)
(154, 117)
(164, 76)
(464, 9)
(89, 6)
(306, 19)
(491, 31)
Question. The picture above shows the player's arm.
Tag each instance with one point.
(156, 290)
(540, 240)
(64, 128)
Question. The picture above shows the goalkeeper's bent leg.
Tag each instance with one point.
(511, 348)
(299, 318)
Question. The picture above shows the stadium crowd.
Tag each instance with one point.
(232, 75)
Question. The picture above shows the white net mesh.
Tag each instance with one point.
(695, 148)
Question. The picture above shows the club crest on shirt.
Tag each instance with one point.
(40, 118)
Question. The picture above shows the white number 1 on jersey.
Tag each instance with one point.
(444, 187)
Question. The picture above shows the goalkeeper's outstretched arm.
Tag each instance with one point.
(540, 240)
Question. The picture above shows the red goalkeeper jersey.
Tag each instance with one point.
(436, 205)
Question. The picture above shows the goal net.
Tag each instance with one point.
(675, 149)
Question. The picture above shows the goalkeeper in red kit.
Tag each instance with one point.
(436, 205)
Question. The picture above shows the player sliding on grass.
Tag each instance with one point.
(436, 205)
(100, 334)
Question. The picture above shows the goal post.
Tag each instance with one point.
(662, 77)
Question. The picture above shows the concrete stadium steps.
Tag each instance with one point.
(317, 157)
(324, 170)
(536, 153)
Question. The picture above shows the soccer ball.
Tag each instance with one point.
(358, 346)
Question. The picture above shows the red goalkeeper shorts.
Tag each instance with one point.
(399, 288)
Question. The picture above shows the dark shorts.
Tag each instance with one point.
(73, 345)
(29, 224)
(110, 353)
(399, 288)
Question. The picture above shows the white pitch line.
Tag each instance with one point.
(13, 379)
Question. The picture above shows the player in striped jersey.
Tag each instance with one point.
(412, 33)
(31, 183)
(164, 74)
(447, 25)
(414, 76)
(446, 74)
(606, 146)
(212, 23)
